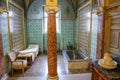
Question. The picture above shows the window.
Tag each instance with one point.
(57, 22)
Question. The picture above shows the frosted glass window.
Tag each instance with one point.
(16, 27)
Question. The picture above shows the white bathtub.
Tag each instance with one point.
(81, 63)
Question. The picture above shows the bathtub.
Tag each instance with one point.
(75, 60)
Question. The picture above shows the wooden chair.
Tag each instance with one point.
(17, 64)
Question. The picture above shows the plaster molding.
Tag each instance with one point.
(51, 2)
(51, 6)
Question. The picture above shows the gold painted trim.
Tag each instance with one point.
(107, 34)
(90, 34)
(77, 31)
(16, 5)
(84, 6)
(42, 34)
(9, 33)
(42, 19)
(24, 32)
(68, 19)
(112, 5)
(33, 19)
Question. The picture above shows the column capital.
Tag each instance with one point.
(51, 9)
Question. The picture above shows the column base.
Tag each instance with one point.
(53, 78)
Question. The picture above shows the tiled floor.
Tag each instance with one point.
(38, 71)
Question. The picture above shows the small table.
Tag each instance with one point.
(98, 73)
(26, 55)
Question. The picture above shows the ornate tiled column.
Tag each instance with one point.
(52, 9)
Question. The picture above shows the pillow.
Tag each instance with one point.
(33, 46)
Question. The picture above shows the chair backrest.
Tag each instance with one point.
(12, 56)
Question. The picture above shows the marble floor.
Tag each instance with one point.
(39, 70)
(85, 76)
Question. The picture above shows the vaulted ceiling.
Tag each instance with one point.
(27, 3)
(73, 3)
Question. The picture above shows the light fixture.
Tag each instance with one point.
(2, 10)
(100, 9)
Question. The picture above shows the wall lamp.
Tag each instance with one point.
(100, 9)
(2, 10)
